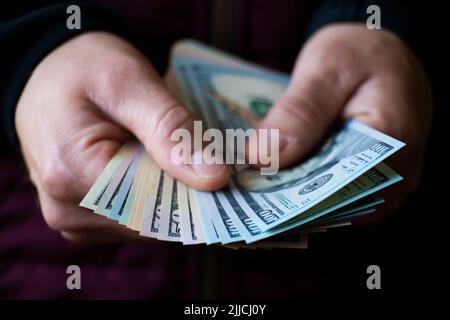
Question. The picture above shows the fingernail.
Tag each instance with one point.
(203, 169)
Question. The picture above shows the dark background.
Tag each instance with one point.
(410, 248)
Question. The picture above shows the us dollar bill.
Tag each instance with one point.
(124, 187)
(108, 198)
(190, 225)
(209, 230)
(245, 211)
(120, 160)
(135, 192)
(170, 227)
(152, 214)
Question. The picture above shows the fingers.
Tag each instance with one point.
(301, 122)
(384, 104)
(80, 225)
(154, 116)
(323, 79)
(132, 93)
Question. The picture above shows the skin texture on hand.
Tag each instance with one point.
(346, 71)
(80, 104)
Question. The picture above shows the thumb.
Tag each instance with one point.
(302, 118)
(141, 103)
(316, 95)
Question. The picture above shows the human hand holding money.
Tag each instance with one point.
(329, 189)
(73, 147)
(83, 101)
(349, 72)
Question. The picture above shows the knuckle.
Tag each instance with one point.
(338, 58)
(55, 180)
(119, 66)
(114, 74)
(331, 53)
(297, 108)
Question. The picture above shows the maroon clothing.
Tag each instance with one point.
(268, 32)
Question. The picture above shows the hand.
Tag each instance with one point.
(346, 71)
(82, 102)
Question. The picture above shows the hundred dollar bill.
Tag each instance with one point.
(188, 48)
(125, 186)
(111, 192)
(170, 227)
(347, 213)
(93, 197)
(166, 204)
(147, 193)
(152, 215)
(152, 212)
(223, 222)
(135, 191)
(190, 224)
(226, 97)
(352, 216)
(367, 184)
(209, 230)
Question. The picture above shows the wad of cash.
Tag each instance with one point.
(336, 184)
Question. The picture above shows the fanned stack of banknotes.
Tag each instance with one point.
(338, 183)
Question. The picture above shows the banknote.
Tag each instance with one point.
(154, 215)
(95, 193)
(225, 97)
(367, 184)
(170, 227)
(209, 230)
(166, 205)
(135, 191)
(108, 197)
(124, 187)
(147, 194)
(152, 212)
(190, 224)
